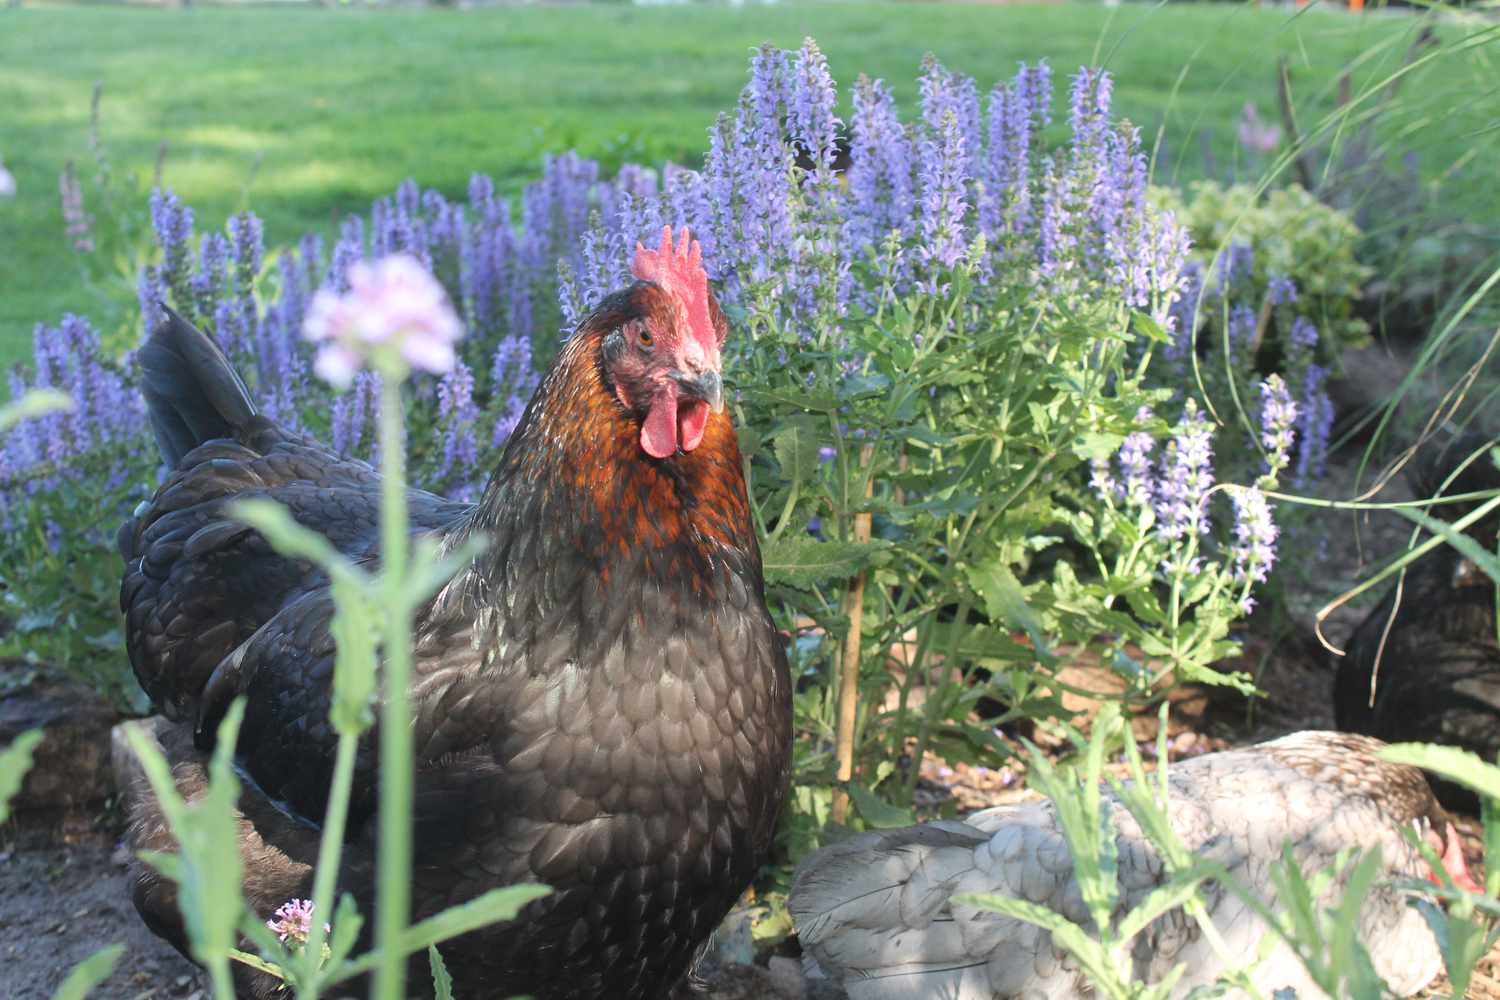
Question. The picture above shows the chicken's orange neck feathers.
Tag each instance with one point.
(575, 461)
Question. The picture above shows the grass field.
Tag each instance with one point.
(305, 113)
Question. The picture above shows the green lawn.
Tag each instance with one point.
(306, 113)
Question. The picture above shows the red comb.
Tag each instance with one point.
(680, 274)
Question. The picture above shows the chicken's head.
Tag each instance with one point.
(662, 360)
(1448, 846)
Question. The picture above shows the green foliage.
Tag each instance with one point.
(60, 572)
(1293, 235)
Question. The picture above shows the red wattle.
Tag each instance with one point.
(659, 431)
(692, 419)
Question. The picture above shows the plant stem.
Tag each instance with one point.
(849, 673)
(330, 846)
(393, 890)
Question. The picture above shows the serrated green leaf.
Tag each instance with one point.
(803, 561)
(1004, 600)
(795, 445)
(442, 982)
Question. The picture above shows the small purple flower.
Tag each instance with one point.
(78, 224)
(1101, 481)
(293, 921)
(1303, 339)
(353, 412)
(247, 235)
(1256, 135)
(1281, 290)
(1182, 315)
(1277, 416)
(1089, 108)
(391, 304)
(944, 155)
(810, 106)
(150, 294)
(1254, 549)
(1135, 463)
(348, 251)
(1186, 476)
(457, 417)
(1235, 263)
(826, 454)
(1314, 428)
(1242, 324)
(209, 280)
(880, 173)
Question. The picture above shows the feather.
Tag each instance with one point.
(877, 912)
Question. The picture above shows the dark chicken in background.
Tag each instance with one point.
(1438, 676)
(601, 701)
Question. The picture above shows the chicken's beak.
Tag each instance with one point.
(707, 386)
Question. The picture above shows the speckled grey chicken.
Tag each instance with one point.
(601, 701)
(1438, 674)
(876, 912)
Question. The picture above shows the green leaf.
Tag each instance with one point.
(347, 922)
(1450, 762)
(1092, 445)
(863, 386)
(89, 973)
(803, 561)
(207, 869)
(796, 445)
(1453, 534)
(442, 982)
(1004, 600)
(876, 811)
(15, 761)
(495, 906)
(1148, 327)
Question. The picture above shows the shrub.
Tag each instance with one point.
(1287, 234)
(938, 356)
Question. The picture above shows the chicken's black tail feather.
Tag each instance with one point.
(192, 392)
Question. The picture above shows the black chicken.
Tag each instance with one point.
(1438, 679)
(601, 701)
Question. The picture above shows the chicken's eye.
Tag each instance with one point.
(646, 338)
